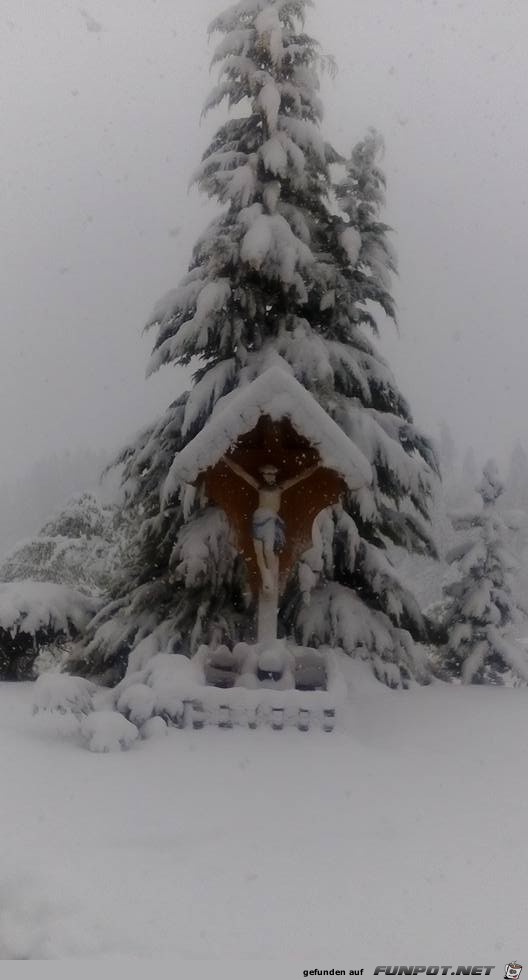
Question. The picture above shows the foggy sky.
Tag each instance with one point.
(100, 108)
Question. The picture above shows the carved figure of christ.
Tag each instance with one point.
(268, 529)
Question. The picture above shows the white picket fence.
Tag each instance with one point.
(226, 716)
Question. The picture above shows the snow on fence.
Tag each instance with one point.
(279, 687)
(266, 711)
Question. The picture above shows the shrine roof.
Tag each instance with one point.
(277, 394)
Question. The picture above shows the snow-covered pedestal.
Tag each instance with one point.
(257, 685)
(250, 685)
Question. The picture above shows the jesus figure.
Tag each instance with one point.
(267, 527)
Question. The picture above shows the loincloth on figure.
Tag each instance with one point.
(269, 527)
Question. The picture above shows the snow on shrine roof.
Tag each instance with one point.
(276, 394)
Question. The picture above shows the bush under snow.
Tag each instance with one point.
(108, 731)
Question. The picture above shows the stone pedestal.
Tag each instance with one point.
(268, 608)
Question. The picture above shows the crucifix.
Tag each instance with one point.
(268, 529)
(269, 534)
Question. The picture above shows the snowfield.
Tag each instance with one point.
(402, 837)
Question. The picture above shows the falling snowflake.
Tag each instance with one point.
(92, 25)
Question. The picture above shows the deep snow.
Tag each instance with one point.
(399, 838)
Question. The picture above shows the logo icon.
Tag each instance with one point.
(512, 971)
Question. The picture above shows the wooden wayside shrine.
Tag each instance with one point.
(280, 445)
(272, 459)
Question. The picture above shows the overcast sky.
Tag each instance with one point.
(100, 107)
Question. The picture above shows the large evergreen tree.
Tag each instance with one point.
(290, 272)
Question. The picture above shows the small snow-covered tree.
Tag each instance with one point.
(482, 614)
(78, 547)
(514, 507)
(289, 273)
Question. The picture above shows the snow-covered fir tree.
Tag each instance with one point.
(482, 617)
(514, 506)
(289, 273)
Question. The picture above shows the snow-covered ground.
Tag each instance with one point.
(402, 837)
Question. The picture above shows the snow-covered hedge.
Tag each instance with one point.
(34, 615)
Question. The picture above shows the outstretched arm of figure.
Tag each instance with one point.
(288, 484)
(240, 472)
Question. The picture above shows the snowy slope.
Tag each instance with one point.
(400, 838)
